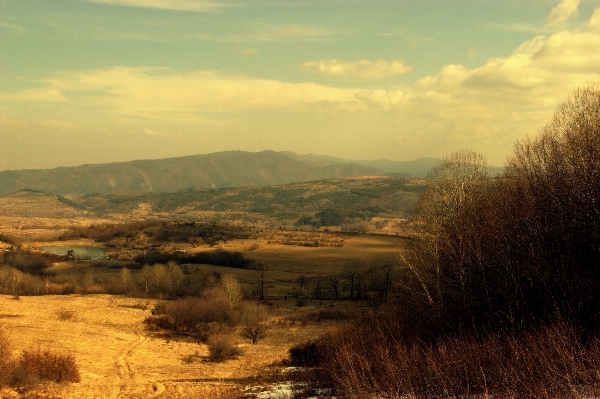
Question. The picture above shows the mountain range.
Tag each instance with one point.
(207, 171)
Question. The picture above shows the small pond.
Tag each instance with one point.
(93, 253)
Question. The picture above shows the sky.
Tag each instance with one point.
(94, 81)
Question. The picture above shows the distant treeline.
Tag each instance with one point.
(363, 197)
(28, 262)
(160, 231)
(217, 257)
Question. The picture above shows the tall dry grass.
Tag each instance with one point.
(499, 295)
(34, 366)
(368, 361)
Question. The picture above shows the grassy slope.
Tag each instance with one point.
(394, 197)
(118, 359)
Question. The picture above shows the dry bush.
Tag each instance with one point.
(199, 316)
(518, 250)
(33, 366)
(308, 354)
(50, 366)
(156, 323)
(222, 347)
(549, 362)
(65, 314)
(6, 361)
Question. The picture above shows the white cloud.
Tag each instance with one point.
(15, 27)
(513, 27)
(246, 50)
(42, 94)
(269, 33)
(363, 69)
(411, 37)
(506, 98)
(180, 5)
(485, 108)
(287, 32)
(563, 11)
(594, 22)
(160, 92)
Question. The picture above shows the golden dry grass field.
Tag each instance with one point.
(119, 359)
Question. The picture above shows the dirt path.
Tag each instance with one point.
(118, 359)
(130, 382)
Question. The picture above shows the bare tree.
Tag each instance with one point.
(261, 271)
(253, 318)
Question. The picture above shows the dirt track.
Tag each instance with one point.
(119, 359)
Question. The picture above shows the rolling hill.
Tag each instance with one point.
(217, 170)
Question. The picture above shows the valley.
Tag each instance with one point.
(309, 277)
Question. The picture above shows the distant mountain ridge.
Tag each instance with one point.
(418, 168)
(216, 170)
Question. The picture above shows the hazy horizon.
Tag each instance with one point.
(211, 153)
(100, 81)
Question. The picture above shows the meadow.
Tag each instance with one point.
(305, 292)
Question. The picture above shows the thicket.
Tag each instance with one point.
(33, 367)
(159, 280)
(107, 232)
(202, 316)
(212, 318)
(155, 232)
(500, 291)
(7, 239)
(27, 262)
(219, 257)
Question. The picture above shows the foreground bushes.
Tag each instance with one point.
(500, 290)
(33, 367)
(222, 347)
(519, 250)
(369, 361)
(201, 316)
(50, 366)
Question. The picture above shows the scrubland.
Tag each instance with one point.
(118, 358)
(493, 291)
(122, 353)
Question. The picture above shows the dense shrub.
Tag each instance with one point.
(34, 366)
(198, 316)
(27, 262)
(222, 347)
(512, 252)
(7, 239)
(308, 354)
(50, 366)
(500, 290)
(549, 362)
(217, 257)
(162, 322)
